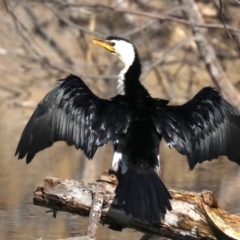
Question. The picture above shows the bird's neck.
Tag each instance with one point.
(128, 79)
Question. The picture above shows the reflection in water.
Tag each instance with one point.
(22, 220)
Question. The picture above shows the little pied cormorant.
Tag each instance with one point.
(204, 128)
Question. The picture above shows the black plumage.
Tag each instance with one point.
(204, 128)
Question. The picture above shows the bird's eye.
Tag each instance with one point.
(112, 44)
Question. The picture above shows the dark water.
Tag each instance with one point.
(20, 219)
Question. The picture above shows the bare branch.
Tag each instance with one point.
(44, 34)
(72, 24)
(158, 16)
(21, 30)
(169, 53)
(226, 27)
(237, 1)
(208, 54)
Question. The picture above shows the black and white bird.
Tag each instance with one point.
(204, 128)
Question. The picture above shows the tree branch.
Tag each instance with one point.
(158, 16)
(40, 30)
(208, 54)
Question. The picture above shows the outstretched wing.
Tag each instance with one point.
(72, 113)
(204, 128)
(66, 113)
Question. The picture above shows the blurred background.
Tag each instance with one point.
(42, 41)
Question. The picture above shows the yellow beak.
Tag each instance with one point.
(105, 44)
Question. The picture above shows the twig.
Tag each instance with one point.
(72, 24)
(158, 16)
(237, 1)
(44, 35)
(169, 82)
(169, 53)
(137, 29)
(12, 15)
(22, 30)
(225, 26)
(66, 69)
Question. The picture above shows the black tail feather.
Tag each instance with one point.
(164, 200)
(154, 201)
(143, 195)
(130, 196)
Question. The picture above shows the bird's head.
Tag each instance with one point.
(119, 47)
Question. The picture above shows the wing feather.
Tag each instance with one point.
(65, 114)
(114, 121)
(72, 113)
(204, 128)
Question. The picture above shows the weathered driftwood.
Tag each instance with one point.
(194, 216)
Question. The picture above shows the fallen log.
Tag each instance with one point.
(194, 215)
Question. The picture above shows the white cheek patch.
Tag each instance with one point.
(125, 52)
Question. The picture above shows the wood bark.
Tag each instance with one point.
(194, 216)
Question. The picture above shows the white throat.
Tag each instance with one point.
(120, 81)
(126, 53)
